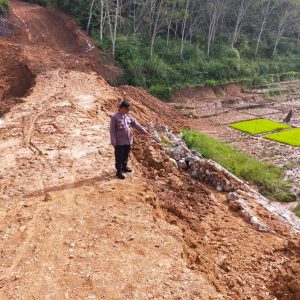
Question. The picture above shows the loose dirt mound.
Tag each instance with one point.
(37, 39)
(219, 245)
(205, 93)
(16, 78)
(70, 230)
(287, 283)
(157, 111)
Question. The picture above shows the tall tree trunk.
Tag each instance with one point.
(266, 14)
(278, 38)
(183, 26)
(170, 22)
(138, 17)
(155, 28)
(242, 11)
(113, 26)
(134, 18)
(90, 16)
(280, 29)
(101, 25)
(151, 15)
(214, 18)
(115, 29)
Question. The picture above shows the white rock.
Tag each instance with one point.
(194, 167)
(182, 164)
(227, 188)
(219, 188)
(195, 174)
(254, 220)
(232, 196)
(173, 161)
(188, 158)
(262, 228)
(246, 214)
(156, 138)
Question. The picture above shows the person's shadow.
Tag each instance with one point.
(71, 185)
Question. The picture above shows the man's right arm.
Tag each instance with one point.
(113, 134)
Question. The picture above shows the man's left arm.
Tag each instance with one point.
(137, 126)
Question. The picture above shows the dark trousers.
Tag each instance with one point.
(121, 156)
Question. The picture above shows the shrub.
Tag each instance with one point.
(166, 71)
(289, 76)
(4, 6)
(211, 83)
(160, 91)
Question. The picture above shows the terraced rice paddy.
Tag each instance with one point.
(289, 137)
(258, 126)
(246, 109)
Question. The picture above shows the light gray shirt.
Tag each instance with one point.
(120, 129)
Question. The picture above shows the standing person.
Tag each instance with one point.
(121, 136)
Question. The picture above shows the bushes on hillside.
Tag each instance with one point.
(4, 6)
(167, 71)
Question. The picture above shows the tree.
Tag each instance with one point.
(266, 9)
(183, 25)
(243, 7)
(113, 12)
(215, 8)
(156, 10)
(289, 16)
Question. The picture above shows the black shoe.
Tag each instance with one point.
(126, 170)
(120, 176)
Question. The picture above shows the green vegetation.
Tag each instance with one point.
(165, 45)
(259, 126)
(167, 71)
(290, 137)
(297, 210)
(274, 93)
(179, 106)
(268, 178)
(4, 6)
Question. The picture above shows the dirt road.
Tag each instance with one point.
(71, 230)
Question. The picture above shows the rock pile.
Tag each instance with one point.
(239, 194)
(3, 26)
(238, 204)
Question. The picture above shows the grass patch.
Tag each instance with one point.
(179, 106)
(4, 6)
(289, 137)
(258, 126)
(275, 93)
(268, 178)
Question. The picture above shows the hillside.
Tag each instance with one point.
(71, 230)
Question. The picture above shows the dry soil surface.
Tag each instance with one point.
(71, 230)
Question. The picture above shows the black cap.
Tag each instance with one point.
(125, 103)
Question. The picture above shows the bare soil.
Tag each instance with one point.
(71, 230)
